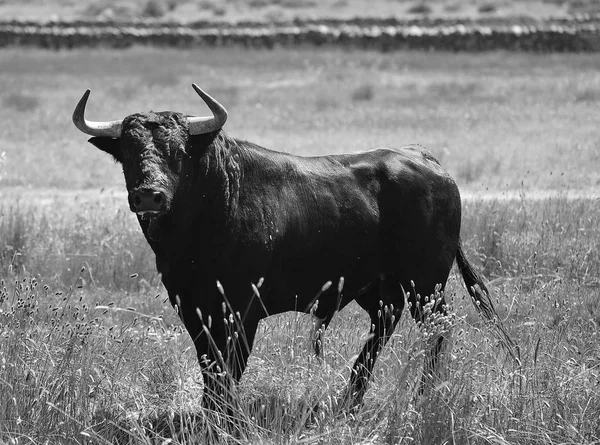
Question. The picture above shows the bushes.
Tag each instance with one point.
(419, 8)
(21, 102)
(363, 92)
(486, 8)
(576, 35)
(154, 9)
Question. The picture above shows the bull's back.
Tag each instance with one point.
(407, 181)
(418, 207)
(354, 215)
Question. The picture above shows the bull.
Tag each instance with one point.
(223, 215)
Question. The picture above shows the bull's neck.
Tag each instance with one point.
(218, 181)
(203, 215)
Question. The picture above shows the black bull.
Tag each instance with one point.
(219, 210)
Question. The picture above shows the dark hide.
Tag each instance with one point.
(237, 213)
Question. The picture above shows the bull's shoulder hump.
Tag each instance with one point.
(413, 157)
(411, 168)
(369, 162)
(415, 153)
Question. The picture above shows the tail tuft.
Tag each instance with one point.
(483, 303)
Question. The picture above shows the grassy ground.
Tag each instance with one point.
(90, 351)
(107, 360)
(496, 120)
(269, 10)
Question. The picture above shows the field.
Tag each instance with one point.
(280, 10)
(90, 351)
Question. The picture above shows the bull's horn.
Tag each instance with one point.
(110, 129)
(201, 125)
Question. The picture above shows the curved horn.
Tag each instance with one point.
(110, 129)
(201, 125)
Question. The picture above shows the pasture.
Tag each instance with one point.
(281, 10)
(90, 351)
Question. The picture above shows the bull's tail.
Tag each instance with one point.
(483, 303)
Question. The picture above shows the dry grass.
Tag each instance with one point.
(90, 351)
(53, 237)
(495, 120)
(186, 10)
(54, 234)
(89, 362)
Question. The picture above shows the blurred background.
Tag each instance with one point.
(504, 93)
(273, 10)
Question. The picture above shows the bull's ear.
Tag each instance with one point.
(111, 146)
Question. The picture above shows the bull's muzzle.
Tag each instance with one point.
(147, 202)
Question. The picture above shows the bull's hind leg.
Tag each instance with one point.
(324, 309)
(239, 346)
(319, 326)
(384, 305)
(430, 312)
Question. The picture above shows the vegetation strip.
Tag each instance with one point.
(77, 360)
(580, 34)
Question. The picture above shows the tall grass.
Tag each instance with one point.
(90, 352)
(535, 239)
(83, 363)
(54, 240)
(71, 373)
(529, 238)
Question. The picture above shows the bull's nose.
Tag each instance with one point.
(146, 200)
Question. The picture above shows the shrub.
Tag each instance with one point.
(486, 8)
(219, 11)
(160, 79)
(453, 7)
(295, 4)
(154, 8)
(323, 103)
(419, 8)
(586, 94)
(258, 3)
(108, 10)
(21, 102)
(340, 3)
(173, 4)
(364, 92)
(276, 13)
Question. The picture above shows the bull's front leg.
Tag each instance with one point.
(218, 381)
(207, 331)
(223, 341)
(203, 323)
(223, 350)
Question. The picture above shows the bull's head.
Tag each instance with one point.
(151, 147)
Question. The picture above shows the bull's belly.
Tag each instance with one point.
(326, 283)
